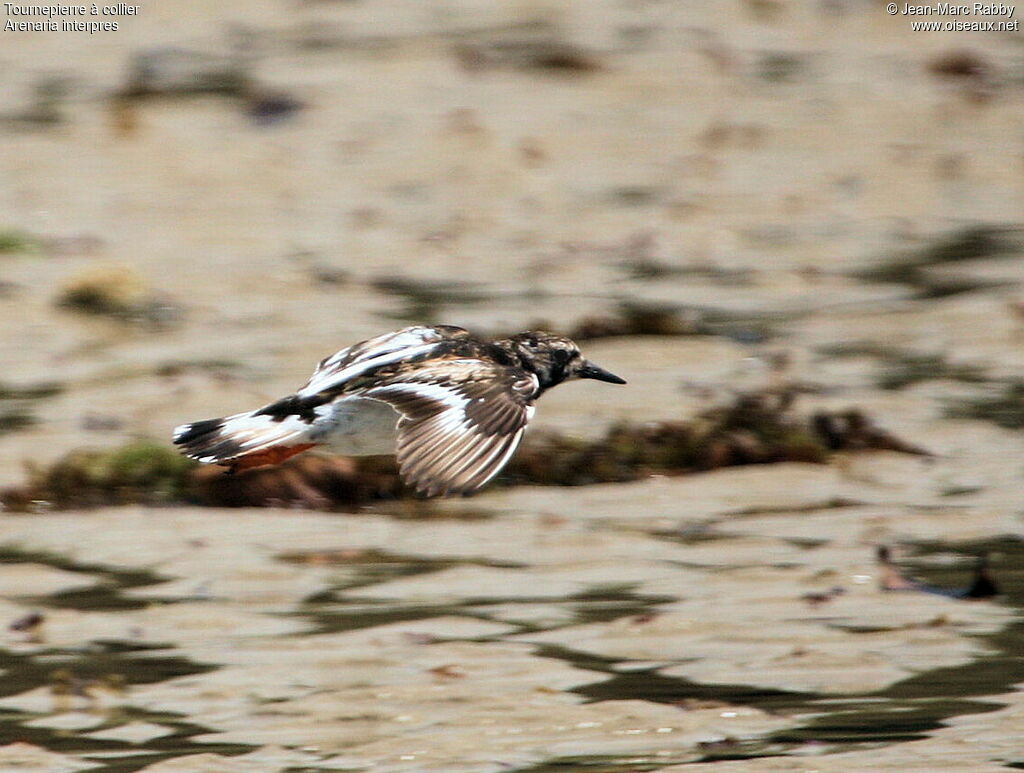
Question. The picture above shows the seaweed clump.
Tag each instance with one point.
(912, 369)
(175, 72)
(423, 299)
(1005, 408)
(644, 318)
(141, 472)
(902, 368)
(311, 482)
(972, 242)
(147, 472)
(119, 293)
(15, 411)
(758, 428)
(15, 241)
(639, 319)
(535, 45)
(15, 419)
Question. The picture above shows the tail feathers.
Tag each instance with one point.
(243, 440)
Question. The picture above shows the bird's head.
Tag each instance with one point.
(555, 359)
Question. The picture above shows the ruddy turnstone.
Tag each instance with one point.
(450, 406)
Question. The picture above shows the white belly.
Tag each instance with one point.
(356, 427)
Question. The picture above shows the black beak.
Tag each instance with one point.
(590, 370)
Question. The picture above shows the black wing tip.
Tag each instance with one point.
(188, 434)
(205, 441)
(292, 405)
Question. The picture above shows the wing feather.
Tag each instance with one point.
(474, 470)
(462, 420)
(373, 353)
(491, 465)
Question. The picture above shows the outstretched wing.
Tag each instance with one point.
(462, 419)
(349, 363)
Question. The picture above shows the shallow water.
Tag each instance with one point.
(905, 711)
(80, 678)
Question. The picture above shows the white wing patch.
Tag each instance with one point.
(445, 395)
(326, 379)
(245, 433)
(443, 449)
(384, 344)
(383, 350)
(356, 426)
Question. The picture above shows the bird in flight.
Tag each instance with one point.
(452, 407)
